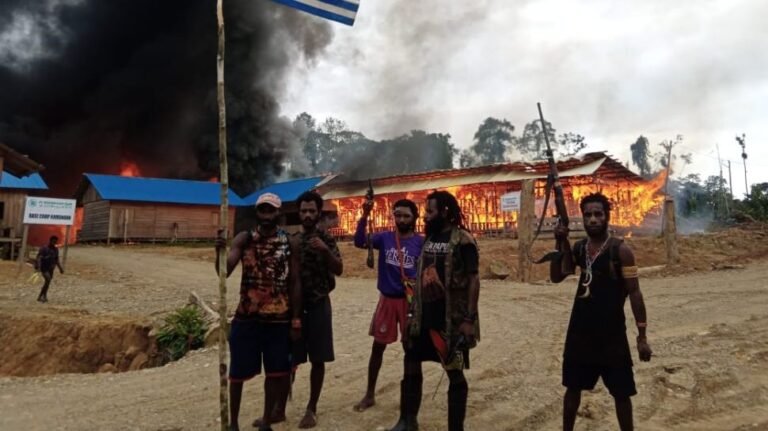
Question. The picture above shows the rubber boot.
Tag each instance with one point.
(410, 402)
(457, 405)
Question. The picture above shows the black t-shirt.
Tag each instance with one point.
(597, 332)
(317, 281)
(433, 276)
(49, 257)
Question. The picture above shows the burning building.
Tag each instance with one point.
(149, 209)
(479, 191)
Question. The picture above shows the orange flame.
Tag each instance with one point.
(129, 169)
(633, 202)
(40, 234)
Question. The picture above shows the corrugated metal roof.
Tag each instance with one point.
(135, 189)
(288, 191)
(29, 182)
(431, 183)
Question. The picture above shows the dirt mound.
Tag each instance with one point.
(698, 252)
(33, 344)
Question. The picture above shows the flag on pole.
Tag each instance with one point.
(343, 11)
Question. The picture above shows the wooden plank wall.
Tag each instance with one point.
(138, 221)
(164, 222)
(13, 216)
(90, 195)
(95, 221)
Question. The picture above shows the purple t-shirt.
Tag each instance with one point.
(389, 282)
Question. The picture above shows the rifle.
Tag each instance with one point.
(553, 183)
(369, 197)
(446, 351)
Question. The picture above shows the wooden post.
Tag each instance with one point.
(125, 226)
(670, 232)
(12, 236)
(223, 221)
(109, 224)
(525, 221)
(66, 246)
(23, 252)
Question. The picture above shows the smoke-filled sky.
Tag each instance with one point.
(609, 70)
(87, 85)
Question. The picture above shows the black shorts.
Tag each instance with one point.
(316, 333)
(620, 381)
(253, 343)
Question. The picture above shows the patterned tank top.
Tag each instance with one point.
(264, 291)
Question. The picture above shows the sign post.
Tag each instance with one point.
(48, 211)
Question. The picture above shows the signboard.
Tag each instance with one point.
(510, 201)
(49, 211)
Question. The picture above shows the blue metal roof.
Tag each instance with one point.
(29, 182)
(118, 188)
(287, 191)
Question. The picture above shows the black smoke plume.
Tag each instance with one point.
(86, 85)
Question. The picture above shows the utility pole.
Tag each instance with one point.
(730, 181)
(667, 145)
(720, 188)
(742, 142)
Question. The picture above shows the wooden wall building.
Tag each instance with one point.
(117, 208)
(13, 195)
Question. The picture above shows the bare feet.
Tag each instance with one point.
(365, 403)
(276, 420)
(308, 421)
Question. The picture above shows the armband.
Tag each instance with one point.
(629, 271)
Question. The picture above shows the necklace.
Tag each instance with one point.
(590, 259)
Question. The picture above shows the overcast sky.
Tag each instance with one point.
(609, 70)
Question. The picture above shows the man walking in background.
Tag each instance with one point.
(46, 262)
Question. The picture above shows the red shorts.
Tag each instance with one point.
(390, 314)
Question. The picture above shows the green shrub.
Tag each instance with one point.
(182, 331)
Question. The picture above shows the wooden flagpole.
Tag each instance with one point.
(223, 221)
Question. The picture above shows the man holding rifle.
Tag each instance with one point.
(398, 254)
(596, 342)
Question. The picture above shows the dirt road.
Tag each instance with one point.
(709, 332)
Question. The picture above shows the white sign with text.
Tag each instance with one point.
(49, 211)
(510, 201)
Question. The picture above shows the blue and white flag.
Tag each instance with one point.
(343, 11)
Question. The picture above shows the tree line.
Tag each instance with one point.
(331, 146)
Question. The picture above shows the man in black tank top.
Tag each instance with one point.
(596, 343)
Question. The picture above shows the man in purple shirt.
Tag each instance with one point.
(398, 254)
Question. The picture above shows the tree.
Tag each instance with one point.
(569, 144)
(468, 158)
(492, 141)
(756, 203)
(305, 125)
(532, 144)
(718, 196)
(641, 155)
